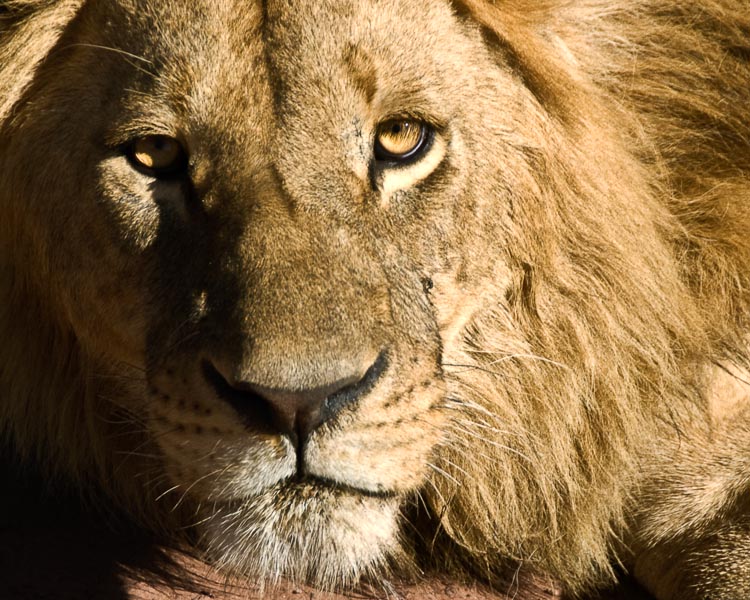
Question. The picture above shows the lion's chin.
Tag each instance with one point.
(303, 531)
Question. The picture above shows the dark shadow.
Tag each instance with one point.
(51, 547)
(626, 589)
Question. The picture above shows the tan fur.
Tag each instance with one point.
(554, 283)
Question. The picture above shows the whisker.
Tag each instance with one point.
(164, 493)
(116, 376)
(494, 444)
(132, 366)
(138, 454)
(443, 473)
(175, 344)
(211, 515)
(128, 56)
(454, 465)
(192, 485)
(111, 49)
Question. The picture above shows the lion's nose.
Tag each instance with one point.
(293, 412)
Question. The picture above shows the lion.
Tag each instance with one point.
(348, 288)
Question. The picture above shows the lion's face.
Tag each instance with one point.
(330, 258)
(268, 223)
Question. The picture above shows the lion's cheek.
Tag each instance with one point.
(457, 303)
(107, 306)
(106, 257)
(368, 460)
(209, 455)
(134, 206)
(216, 469)
(386, 446)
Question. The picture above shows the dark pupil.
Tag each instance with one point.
(396, 129)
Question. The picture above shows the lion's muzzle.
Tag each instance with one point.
(291, 411)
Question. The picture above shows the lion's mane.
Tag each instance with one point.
(615, 355)
(558, 397)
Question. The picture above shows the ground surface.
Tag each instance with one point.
(52, 551)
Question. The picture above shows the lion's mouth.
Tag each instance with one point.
(299, 488)
(286, 496)
(313, 485)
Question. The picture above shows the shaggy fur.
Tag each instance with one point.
(560, 285)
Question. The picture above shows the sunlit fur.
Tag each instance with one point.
(567, 298)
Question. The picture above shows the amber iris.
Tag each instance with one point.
(160, 154)
(399, 140)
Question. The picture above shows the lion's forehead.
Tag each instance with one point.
(256, 72)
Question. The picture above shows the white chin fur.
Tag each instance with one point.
(324, 537)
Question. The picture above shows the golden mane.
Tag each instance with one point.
(559, 399)
(618, 325)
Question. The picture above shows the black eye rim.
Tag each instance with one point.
(426, 137)
(177, 170)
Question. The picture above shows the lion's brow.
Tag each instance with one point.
(361, 69)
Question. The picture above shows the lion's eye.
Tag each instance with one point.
(160, 155)
(401, 140)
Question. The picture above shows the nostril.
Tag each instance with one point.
(298, 412)
(251, 407)
(293, 412)
(349, 394)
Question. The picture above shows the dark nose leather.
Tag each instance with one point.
(301, 411)
(290, 412)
